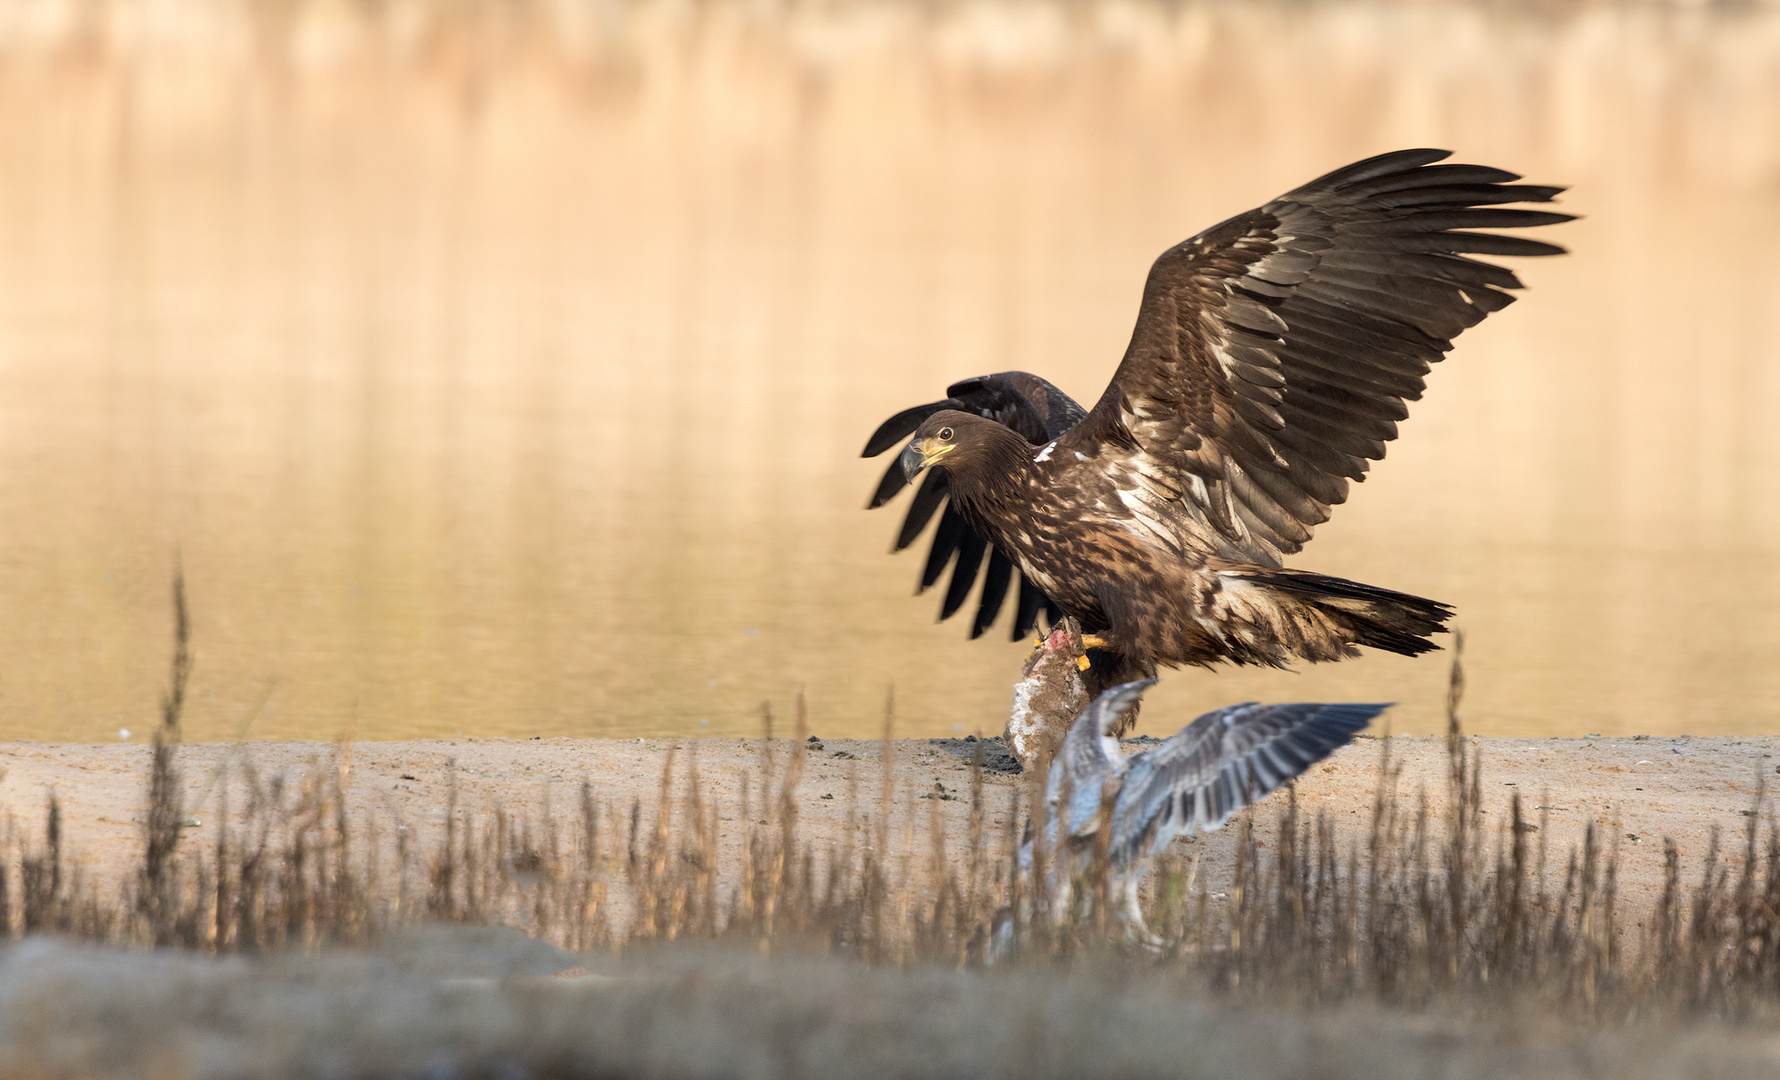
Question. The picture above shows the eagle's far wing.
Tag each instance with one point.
(1274, 353)
(1031, 406)
(1220, 763)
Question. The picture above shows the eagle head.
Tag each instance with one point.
(950, 437)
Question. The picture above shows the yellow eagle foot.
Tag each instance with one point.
(1090, 641)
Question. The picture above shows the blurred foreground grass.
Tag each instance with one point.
(459, 1002)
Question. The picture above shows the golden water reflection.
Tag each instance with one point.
(502, 368)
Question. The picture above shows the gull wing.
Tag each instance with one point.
(1221, 763)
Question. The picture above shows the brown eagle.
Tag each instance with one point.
(1272, 359)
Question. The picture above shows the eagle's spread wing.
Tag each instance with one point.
(1219, 764)
(1029, 405)
(1274, 353)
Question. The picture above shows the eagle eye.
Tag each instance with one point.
(945, 434)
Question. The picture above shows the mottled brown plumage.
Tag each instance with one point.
(1049, 696)
(1156, 594)
(1272, 358)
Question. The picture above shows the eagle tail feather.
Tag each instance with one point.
(1356, 613)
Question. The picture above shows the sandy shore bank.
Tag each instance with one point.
(1640, 790)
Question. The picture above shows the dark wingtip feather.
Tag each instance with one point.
(900, 426)
(1497, 244)
(945, 541)
(1534, 192)
(892, 482)
(996, 579)
(928, 498)
(1380, 165)
(964, 572)
(1428, 175)
(1032, 601)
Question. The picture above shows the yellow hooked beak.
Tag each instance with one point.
(921, 453)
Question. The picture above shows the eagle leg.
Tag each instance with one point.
(1090, 641)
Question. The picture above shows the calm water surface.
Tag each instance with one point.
(505, 373)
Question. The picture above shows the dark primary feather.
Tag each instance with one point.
(1033, 602)
(929, 497)
(900, 427)
(996, 580)
(1275, 353)
(946, 541)
(964, 571)
(1221, 763)
(1029, 405)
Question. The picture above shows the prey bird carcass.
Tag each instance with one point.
(1190, 783)
(1049, 696)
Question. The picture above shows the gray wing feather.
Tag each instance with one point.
(1083, 762)
(1220, 763)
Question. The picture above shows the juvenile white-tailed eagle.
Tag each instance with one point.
(1272, 359)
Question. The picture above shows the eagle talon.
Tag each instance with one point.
(1081, 663)
(1095, 641)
